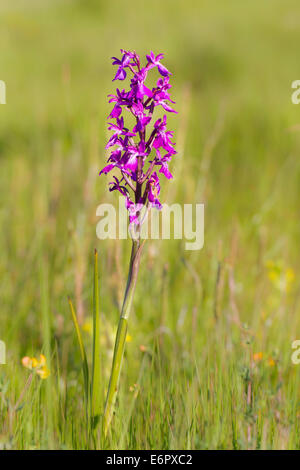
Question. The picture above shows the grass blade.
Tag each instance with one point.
(46, 332)
(85, 367)
(96, 368)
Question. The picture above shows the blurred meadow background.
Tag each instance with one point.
(208, 353)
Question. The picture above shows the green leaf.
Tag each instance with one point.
(85, 368)
(96, 368)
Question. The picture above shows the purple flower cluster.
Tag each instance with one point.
(137, 153)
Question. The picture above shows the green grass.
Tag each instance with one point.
(188, 379)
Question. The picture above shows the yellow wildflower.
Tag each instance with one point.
(128, 338)
(88, 325)
(271, 362)
(290, 274)
(281, 278)
(43, 372)
(27, 362)
(38, 366)
(257, 357)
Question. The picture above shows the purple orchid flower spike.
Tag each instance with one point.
(133, 157)
(136, 153)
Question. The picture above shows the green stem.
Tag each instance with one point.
(121, 333)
